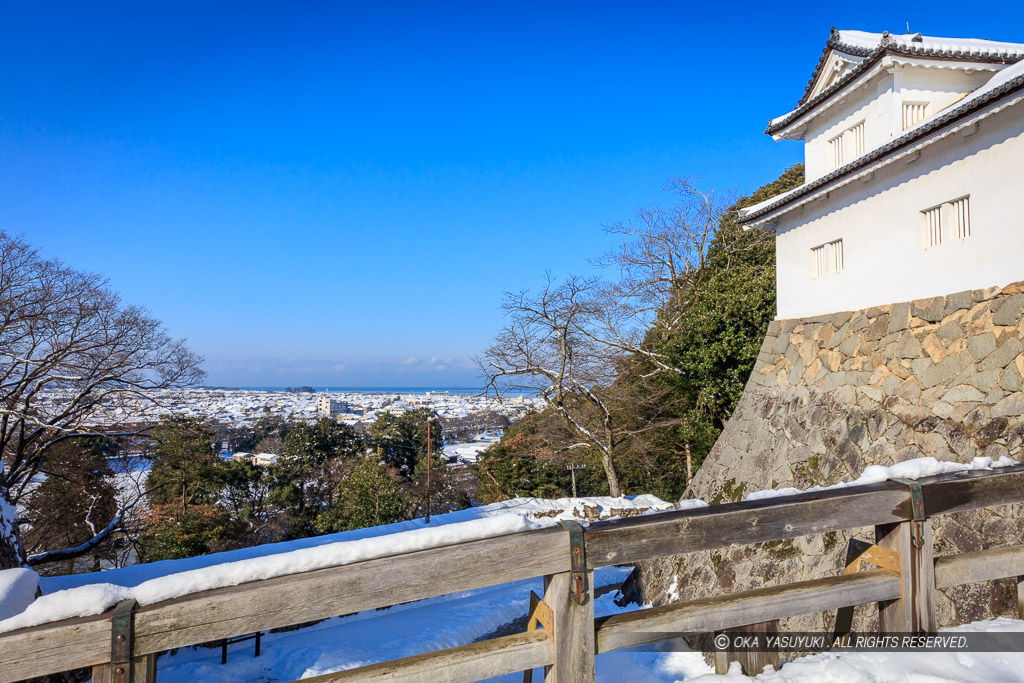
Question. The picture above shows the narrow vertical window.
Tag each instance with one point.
(913, 113)
(855, 140)
(949, 221)
(846, 146)
(827, 258)
(932, 226)
(962, 217)
(835, 146)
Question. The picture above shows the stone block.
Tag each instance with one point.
(840, 336)
(983, 295)
(958, 301)
(1008, 311)
(840, 319)
(1002, 356)
(825, 335)
(849, 346)
(942, 410)
(780, 344)
(950, 331)
(934, 348)
(963, 394)
(1012, 405)
(1010, 380)
(909, 390)
(859, 322)
(909, 347)
(890, 383)
(878, 329)
(981, 345)
(940, 373)
(985, 381)
(930, 310)
(899, 318)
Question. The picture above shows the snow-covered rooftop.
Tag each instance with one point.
(917, 42)
(867, 48)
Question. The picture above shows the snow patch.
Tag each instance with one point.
(17, 590)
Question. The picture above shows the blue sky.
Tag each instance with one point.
(339, 193)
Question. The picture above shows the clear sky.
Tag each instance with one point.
(337, 194)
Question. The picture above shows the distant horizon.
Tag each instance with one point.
(399, 389)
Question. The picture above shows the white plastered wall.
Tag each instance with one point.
(878, 102)
(879, 221)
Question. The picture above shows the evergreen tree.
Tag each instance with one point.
(76, 499)
(369, 496)
(185, 470)
(401, 440)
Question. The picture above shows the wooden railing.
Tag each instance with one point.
(122, 646)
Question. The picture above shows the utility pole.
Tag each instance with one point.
(572, 470)
(429, 420)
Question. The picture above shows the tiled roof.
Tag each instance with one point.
(871, 47)
(1003, 84)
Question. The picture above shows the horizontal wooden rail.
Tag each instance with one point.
(288, 600)
(642, 627)
(486, 659)
(683, 531)
(984, 565)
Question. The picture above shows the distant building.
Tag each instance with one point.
(914, 151)
(265, 459)
(330, 407)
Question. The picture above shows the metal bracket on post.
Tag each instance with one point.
(121, 641)
(916, 509)
(578, 556)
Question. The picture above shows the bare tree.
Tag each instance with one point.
(659, 263)
(549, 346)
(572, 340)
(71, 354)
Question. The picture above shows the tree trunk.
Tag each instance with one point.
(614, 490)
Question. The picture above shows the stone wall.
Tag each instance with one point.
(831, 395)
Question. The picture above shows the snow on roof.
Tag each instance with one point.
(917, 42)
(870, 47)
(1001, 83)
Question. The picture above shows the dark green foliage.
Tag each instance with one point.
(317, 459)
(401, 440)
(185, 470)
(269, 426)
(247, 495)
(369, 496)
(724, 323)
(77, 491)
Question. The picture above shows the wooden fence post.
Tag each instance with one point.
(751, 662)
(914, 612)
(574, 629)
